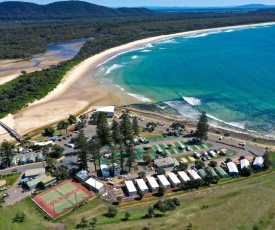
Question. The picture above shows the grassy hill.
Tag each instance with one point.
(64, 10)
(236, 203)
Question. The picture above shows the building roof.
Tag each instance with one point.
(258, 161)
(130, 186)
(110, 109)
(47, 179)
(183, 176)
(54, 138)
(244, 163)
(34, 172)
(163, 180)
(165, 161)
(94, 183)
(202, 173)
(194, 174)
(43, 143)
(221, 171)
(152, 181)
(36, 180)
(213, 172)
(141, 184)
(31, 157)
(232, 167)
(22, 158)
(174, 178)
(83, 175)
(39, 155)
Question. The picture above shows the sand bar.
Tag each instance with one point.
(78, 91)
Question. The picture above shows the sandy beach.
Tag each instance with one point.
(79, 91)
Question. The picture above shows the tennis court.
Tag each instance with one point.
(62, 198)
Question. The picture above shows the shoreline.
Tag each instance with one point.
(78, 90)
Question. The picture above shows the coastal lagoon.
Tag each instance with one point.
(229, 73)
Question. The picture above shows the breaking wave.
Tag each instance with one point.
(113, 67)
(192, 100)
(139, 97)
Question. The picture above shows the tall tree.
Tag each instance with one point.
(116, 134)
(94, 152)
(136, 129)
(267, 162)
(7, 152)
(126, 128)
(63, 125)
(130, 153)
(83, 150)
(49, 131)
(181, 167)
(202, 127)
(102, 129)
(72, 119)
(56, 151)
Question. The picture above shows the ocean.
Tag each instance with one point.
(229, 73)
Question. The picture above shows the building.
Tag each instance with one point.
(202, 173)
(258, 163)
(163, 181)
(45, 143)
(221, 172)
(153, 184)
(22, 160)
(115, 170)
(193, 174)
(39, 156)
(96, 185)
(13, 161)
(105, 171)
(183, 177)
(83, 175)
(31, 159)
(31, 184)
(213, 173)
(173, 179)
(131, 189)
(244, 163)
(48, 181)
(142, 186)
(31, 173)
(232, 168)
(166, 162)
(109, 111)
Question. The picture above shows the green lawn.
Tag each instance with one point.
(240, 203)
(10, 178)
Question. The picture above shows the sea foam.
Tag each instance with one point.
(122, 89)
(146, 51)
(113, 67)
(139, 97)
(134, 57)
(192, 100)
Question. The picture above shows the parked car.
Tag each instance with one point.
(203, 158)
(208, 157)
(14, 170)
(194, 168)
(197, 155)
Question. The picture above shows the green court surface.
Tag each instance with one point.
(155, 147)
(152, 139)
(159, 138)
(50, 196)
(164, 146)
(200, 146)
(66, 188)
(206, 144)
(153, 154)
(170, 151)
(177, 149)
(191, 147)
(70, 201)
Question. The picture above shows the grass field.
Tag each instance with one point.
(240, 203)
(10, 178)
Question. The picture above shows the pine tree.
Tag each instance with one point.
(102, 129)
(116, 134)
(136, 129)
(7, 150)
(267, 162)
(126, 128)
(131, 154)
(202, 127)
(94, 152)
(83, 149)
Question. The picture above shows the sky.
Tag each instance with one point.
(187, 3)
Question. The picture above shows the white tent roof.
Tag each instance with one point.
(163, 180)
(130, 186)
(106, 109)
(244, 163)
(258, 161)
(34, 172)
(194, 174)
(183, 176)
(174, 178)
(232, 167)
(141, 184)
(94, 183)
(152, 181)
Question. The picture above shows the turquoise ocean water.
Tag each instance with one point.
(229, 73)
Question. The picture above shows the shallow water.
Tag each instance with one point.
(230, 74)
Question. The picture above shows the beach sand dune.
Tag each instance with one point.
(79, 91)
